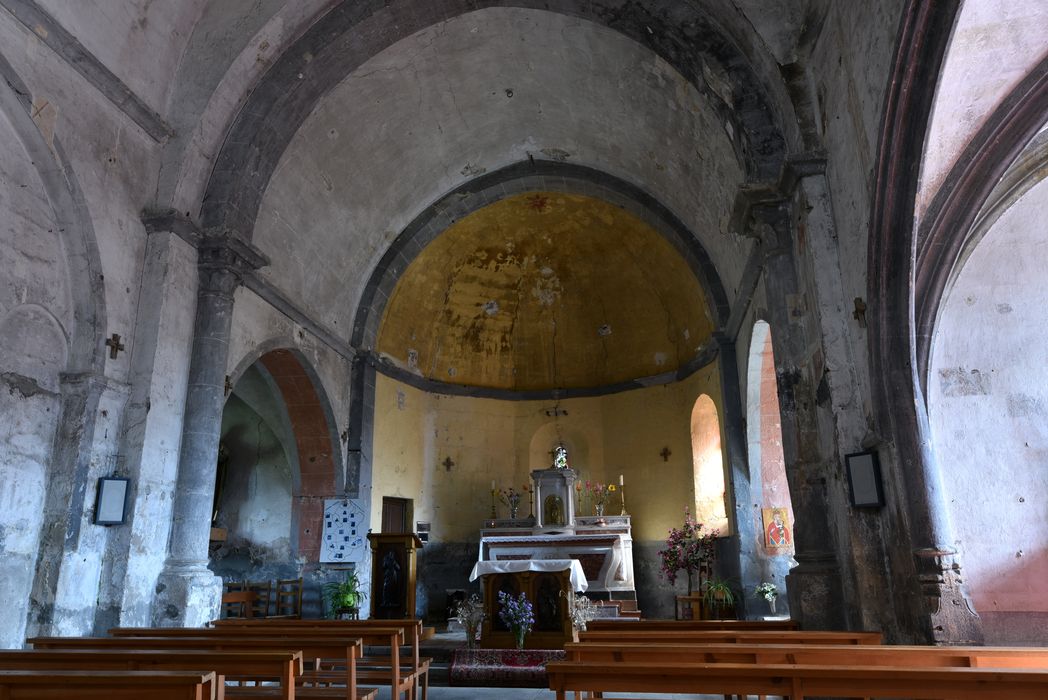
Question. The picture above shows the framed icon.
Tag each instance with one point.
(864, 480)
(111, 506)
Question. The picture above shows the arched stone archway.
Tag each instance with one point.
(280, 460)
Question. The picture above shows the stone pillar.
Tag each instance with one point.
(744, 539)
(152, 423)
(815, 584)
(188, 594)
(67, 481)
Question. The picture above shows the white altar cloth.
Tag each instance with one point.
(578, 577)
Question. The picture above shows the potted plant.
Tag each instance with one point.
(689, 549)
(718, 596)
(343, 597)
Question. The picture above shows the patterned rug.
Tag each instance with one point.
(502, 668)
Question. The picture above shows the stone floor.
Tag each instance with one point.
(526, 694)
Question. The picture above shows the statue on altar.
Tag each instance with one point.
(553, 511)
(560, 457)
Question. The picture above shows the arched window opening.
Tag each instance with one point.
(708, 465)
(769, 488)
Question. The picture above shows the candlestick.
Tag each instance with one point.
(494, 514)
(622, 496)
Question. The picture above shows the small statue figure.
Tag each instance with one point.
(553, 510)
(560, 457)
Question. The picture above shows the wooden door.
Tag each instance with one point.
(396, 515)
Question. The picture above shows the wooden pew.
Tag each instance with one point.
(318, 648)
(399, 678)
(628, 624)
(798, 681)
(107, 685)
(812, 654)
(731, 636)
(242, 666)
(418, 664)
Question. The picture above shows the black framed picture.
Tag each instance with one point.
(864, 480)
(111, 506)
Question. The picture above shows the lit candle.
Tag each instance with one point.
(620, 480)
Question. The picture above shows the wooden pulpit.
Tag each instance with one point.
(393, 575)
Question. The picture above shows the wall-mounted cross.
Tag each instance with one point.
(448, 464)
(665, 454)
(114, 346)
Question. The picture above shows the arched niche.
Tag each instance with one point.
(987, 408)
(708, 465)
(279, 460)
(769, 488)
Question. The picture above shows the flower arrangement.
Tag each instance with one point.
(511, 497)
(517, 614)
(768, 591)
(470, 614)
(687, 549)
(599, 493)
(581, 610)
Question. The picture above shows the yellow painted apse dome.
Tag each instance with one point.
(543, 291)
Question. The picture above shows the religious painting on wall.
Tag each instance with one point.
(777, 533)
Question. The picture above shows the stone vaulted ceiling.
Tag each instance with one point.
(545, 291)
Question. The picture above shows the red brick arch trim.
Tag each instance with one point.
(318, 453)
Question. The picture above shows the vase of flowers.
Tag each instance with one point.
(517, 614)
(768, 591)
(688, 549)
(599, 493)
(511, 497)
(470, 614)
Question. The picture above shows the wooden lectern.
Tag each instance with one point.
(393, 575)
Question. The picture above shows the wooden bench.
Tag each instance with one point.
(413, 634)
(282, 668)
(812, 654)
(731, 636)
(798, 681)
(697, 625)
(107, 685)
(400, 678)
(319, 648)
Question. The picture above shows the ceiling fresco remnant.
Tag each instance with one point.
(523, 295)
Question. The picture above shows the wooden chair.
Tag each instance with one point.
(289, 598)
(264, 592)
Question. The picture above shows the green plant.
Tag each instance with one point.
(718, 593)
(340, 595)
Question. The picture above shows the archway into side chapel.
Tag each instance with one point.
(279, 461)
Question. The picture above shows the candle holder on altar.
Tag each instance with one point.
(622, 497)
(494, 514)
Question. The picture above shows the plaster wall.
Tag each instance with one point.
(453, 101)
(255, 506)
(35, 313)
(995, 44)
(138, 40)
(988, 398)
(503, 441)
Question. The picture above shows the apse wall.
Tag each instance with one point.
(416, 433)
(988, 402)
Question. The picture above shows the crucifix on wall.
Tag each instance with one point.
(448, 463)
(114, 345)
(665, 454)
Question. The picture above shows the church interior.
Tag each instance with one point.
(525, 281)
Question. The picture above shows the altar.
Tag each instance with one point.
(546, 583)
(549, 554)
